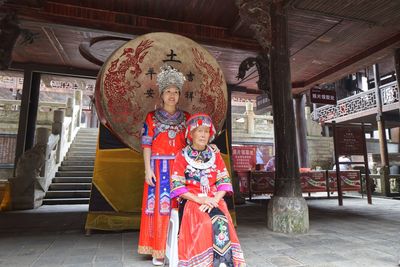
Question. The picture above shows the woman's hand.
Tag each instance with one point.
(208, 203)
(149, 177)
(205, 208)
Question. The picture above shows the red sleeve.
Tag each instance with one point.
(148, 130)
(223, 182)
(178, 179)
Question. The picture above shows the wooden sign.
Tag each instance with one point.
(349, 140)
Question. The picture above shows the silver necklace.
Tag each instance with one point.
(200, 165)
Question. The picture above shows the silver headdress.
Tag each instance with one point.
(169, 76)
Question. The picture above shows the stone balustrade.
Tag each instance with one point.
(251, 127)
(9, 114)
(51, 145)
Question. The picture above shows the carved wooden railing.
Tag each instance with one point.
(358, 103)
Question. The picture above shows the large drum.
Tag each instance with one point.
(126, 87)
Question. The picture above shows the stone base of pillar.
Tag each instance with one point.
(25, 194)
(288, 215)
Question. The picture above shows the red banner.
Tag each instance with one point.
(314, 181)
(262, 182)
(243, 177)
(350, 180)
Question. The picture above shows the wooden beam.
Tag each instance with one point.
(131, 24)
(348, 62)
(55, 43)
(54, 69)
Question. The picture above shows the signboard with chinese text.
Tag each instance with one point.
(349, 140)
(244, 157)
(322, 96)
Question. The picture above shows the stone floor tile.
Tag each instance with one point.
(284, 261)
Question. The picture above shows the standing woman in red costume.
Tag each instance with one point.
(207, 237)
(163, 137)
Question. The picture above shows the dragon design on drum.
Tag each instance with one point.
(212, 81)
(119, 89)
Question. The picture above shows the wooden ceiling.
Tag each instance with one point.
(327, 39)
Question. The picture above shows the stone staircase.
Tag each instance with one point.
(74, 177)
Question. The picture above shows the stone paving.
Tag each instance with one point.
(356, 234)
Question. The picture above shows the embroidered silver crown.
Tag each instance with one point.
(170, 76)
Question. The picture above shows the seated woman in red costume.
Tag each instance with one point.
(200, 180)
(163, 136)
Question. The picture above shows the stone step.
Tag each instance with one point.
(79, 158)
(90, 137)
(68, 194)
(82, 134)
(87, 134)
(78, 163)
(82, 150)
(74, 174)
(76, 168)
(76, 152)
(84, 139)
(72, 180)
(83, 153)
(88, 140)
(65, 201)
(70, 186)
(84, 144)
(88, 130)
(82, 147)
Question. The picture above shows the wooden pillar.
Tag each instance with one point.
(287, 169)
(235, 181)
(301, 130)
(397, 66)
(28, 113)
(287, 210)
(385, 183)
(397, 69)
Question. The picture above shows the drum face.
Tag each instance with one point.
(126, 88)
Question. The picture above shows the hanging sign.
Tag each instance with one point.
(322, 96)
